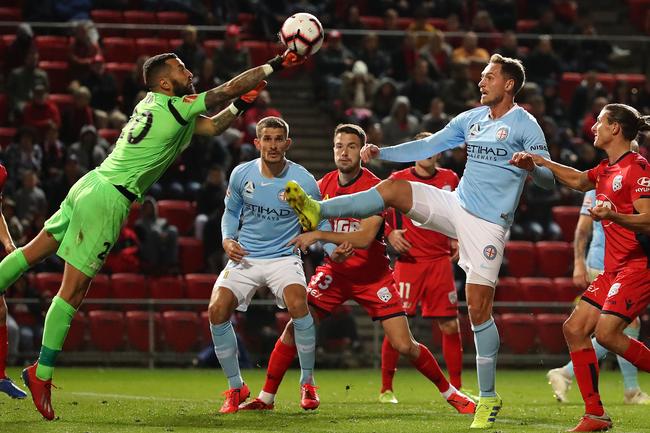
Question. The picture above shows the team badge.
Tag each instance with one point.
(613, 290)
(281, 195)
(453, 297)
(384, 294)
(490, 252)
(249, 187)
(502, 133)
(617, 183)
(474, 129)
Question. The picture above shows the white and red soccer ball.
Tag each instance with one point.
(302, 33)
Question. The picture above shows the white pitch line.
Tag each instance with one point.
(131, 397)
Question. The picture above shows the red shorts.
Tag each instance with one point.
(625, 294)
(430, 284)
(328, 290)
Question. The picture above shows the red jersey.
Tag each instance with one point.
(366, 264)
(617, 186)
(3, 178)
(427, 244)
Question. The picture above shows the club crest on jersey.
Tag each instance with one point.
(502, 133)
(474, 130)
(490, 252)
(613, 290)
(249, 187)
(281, 195)
(384, 294)
(617, 183)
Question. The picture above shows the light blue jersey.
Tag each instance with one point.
(267, 221)
(491, 186)
(596, 253)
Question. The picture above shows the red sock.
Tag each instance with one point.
(452, 351)
(638, 354)
(427, 365)
(280, 361)
(4, 348)
(585, 367)
(389, 357)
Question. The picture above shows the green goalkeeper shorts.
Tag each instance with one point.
(88, 222)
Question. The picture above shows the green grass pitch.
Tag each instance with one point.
(172, 400)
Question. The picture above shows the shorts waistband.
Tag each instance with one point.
(126, 193)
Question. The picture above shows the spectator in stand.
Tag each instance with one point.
(384, 97)
(133, 85)
(589, 89)
(22, 155)
(83, 49)
(190, 51)
(357, 87)
(548, 24)
(352, 21)
(21, 83)
(16, 229)
(102, 86)
(554, 104)
(459, 93)
(261, 108)
(400, 125)
(421, 29)
(420, 89)
(591, 54)
(470, 51)
(543, 63)
(436, 118)
(373, 56)
(331, 62)
(125, 254)
(57, 187)
(209, 208)
(205, 79)
(90, 150)
(158, 240)
(20, 48)
(78, 115)
(30, 315)
(403, 59)
(391, 43)
(546, 122)
(231, 58)
(53, 153)
(437, 53)
(510, 46)
(482, 23)
(591, 118)
(41, 113)
(30, 199)
(270, 15)
(452, 25)
(503, 12)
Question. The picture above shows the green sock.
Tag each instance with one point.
(57, 324)
(11, 268)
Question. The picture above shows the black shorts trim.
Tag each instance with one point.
(614, 313)
(389, 316)
(440, 317)
(175, 113)
(592, 302)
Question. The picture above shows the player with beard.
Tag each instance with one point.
(88, 222)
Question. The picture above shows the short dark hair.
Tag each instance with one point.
(628, 118)
(272, 122)
(153, 66)
(350, 128)
(513, 69)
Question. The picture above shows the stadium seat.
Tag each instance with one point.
(204, 325)
(63, 101)
(633, 80)
(538, 289)
(549, 332)
(210, 45)
(567, 218)
(525, 26)
(608, 81)
(107, 329)
(180, 329)
(129, 286)
(281, 320)
(565, 290)
(109, 135)
(637, 10)
(169, 287)
(77, 333)
(137, 329)
(58, 73)
(104, 16)
(100, 288)
(438, 23)
(140, 17)
(151, 46)
(119, 49)
(467, 335)
(261, 51)
(404, 22)
(4, 108)
(568, 84)
(53, 47)
(48, 282)
(180, 213)
(521, 258)
(190, 255)
(174, 19)
(11, 14)
(6, 136)
(508, 290)
(518, 332)
(134, 214)
(554, 258)
(199, 286)
(372, 22)
(120, 71)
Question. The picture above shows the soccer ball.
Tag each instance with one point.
(302, 33)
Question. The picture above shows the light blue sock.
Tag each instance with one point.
(305, 335)
(360, 205)
(486, 340)
(601, 353)
(628, 370)
(225, 346)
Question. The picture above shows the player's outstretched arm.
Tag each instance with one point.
(361, 238)
(569, 176)
(638, 222)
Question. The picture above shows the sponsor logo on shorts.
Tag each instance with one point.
(384, 294)
(502, 133)
(617, 183)
(644, 181)
(628, 304)
(225, 274)
(613, 290)
(490, 252)
(453, 297)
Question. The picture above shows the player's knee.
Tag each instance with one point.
(479, 311)
(606, 338)
(448, 326)
(218, 312)
(395, 193)
(572, 330)
(403, 346)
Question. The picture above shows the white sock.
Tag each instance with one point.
(266, 397)
(449, 392)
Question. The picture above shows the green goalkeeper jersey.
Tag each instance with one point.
(160, 128)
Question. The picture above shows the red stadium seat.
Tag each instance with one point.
(204, 325)
(103, 16)
(549, 331)
(438, 23)
(180, 213)
(48, 282)
(77, 333)
(281, 320)
(58, 73)
(567, 218)
(172, 18)
(180, 329)
(210, 45)
(372, 23)
(137, 329)
(568, 84)
(554, 258)
(140, 17)
(175, 43)
(129, 286)
(404, 22)
(119, 49)
(608, 81)
(170, 287)
(53, 47)
(199, 286)
(6, 136)
(538, 290)
(518, 332)
(100, 288)
(4, 108)
(525, 26)
(565, 290)
(11, 14)
(521, 258)
(107, 329)
(134, 214)
(190, 255)
(633, 80)
(120, 71)
(637, 9)
(63, 101)
(151, 46)
(508, 290)
(261, 51)
(109, 135)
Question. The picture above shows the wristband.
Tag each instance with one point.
(275, 63)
